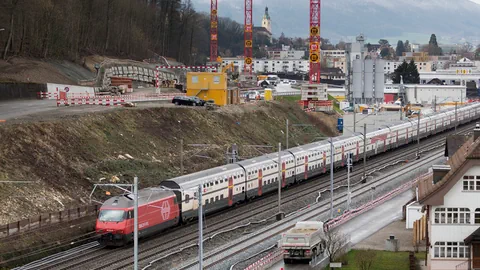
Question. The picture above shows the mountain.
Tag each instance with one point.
(450, 20)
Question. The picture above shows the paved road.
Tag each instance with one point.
(365, 225)
(285, 88)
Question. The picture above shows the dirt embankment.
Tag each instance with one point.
(66, 156)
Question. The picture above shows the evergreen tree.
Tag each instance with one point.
(412, 73)
(400, 48)
(433, 48)
(407, 71)
(385, 53)
(408, 47)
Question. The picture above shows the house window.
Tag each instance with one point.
(452, 216)
(450, 250)
(469, 183)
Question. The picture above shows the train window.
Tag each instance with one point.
(276, 178)
(187, 198)
(241, 175)
(216, 198)
(206, 201)
(256, 171)
(221, 197)
(216, 182)
(204, 186)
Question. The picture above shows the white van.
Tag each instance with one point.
(273, 79)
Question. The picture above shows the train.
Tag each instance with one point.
(174, 201)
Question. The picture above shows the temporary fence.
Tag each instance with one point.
(90, 101)
(372, 204)
(188, 67)
(46, 220)
(266, 262)
(109, 100)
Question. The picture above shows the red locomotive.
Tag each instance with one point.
(157, 210)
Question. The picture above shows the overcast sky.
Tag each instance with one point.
(476, 1)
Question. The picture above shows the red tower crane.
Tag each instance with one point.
(315, 42)
(248, 53)
(213, 31)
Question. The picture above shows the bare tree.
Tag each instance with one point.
(13, 7)
(335, 244)
(365, 259)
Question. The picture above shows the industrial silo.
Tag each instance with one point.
(368, 82)
(357, 89)
(379, 80)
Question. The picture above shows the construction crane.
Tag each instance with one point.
(213, 31)
(315, 20)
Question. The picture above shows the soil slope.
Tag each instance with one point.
(65, 157)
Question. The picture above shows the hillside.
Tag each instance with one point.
(65, 157)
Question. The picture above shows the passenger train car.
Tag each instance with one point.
(225, 186)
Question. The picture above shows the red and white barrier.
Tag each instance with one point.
(267, 261)
(187, 67)
(94, 101)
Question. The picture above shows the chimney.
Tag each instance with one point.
(476, 132)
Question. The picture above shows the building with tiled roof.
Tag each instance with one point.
(451, 200)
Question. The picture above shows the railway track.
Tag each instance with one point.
(162, 245)
(219, 255)
(163, 249)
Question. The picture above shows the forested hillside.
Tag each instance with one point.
(69, 29)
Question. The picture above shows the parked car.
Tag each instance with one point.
(188, 101)
(348, 109)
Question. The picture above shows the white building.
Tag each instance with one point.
(451, 199)
(390, 66)
(426, 93)
(285, 53)
(271, 66)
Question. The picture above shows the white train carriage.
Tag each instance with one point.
(399, 134)
(222, 187)
(376, 142)
(262, 173)
(310, 159)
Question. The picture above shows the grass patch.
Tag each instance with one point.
(289, 98)
(336, 104)
(384, 260)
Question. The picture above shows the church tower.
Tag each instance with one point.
(266, 22)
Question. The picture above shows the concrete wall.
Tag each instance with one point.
(9, 91)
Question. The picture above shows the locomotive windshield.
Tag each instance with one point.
(111, 215)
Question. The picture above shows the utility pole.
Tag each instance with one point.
(364, 153)
(456, 119)
(181, 157)
(286, 129)
(200, 228)
(332, 160)
(349, 165)
(418, 134)
(354, 117)
(279, 215)
(135, 223)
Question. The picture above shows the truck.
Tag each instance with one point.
(303, 242)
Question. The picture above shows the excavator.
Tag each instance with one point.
(410, 111)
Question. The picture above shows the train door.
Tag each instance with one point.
(305, 174)
(358, 151)
(230, 191)
(260, 182)
(284, 179)
(324, 162)
(343, 155)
